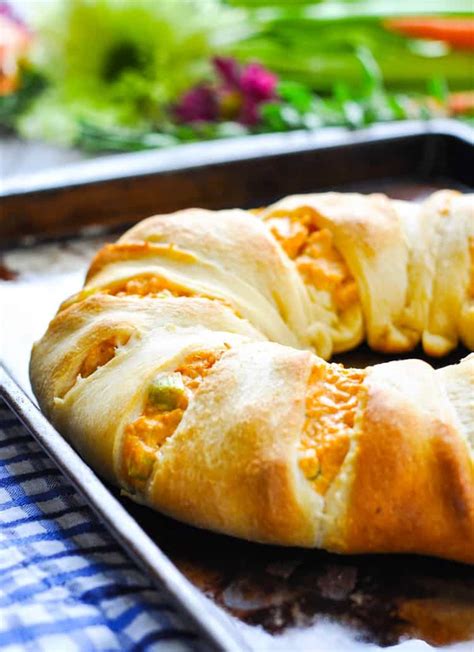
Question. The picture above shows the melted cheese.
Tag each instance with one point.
(145, 435)
(139, 286)
(332, 403)
(149, 285)
(155, 286)
(316, 257)
(102, 353)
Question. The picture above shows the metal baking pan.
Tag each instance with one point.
(240, 595)
(244, 172)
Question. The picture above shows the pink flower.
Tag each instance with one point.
(250, 113)
(228, 69)
(248, 87)
(258, 83)
(237, 94)
(197, 105)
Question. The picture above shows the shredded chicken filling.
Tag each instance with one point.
(149, 285)
(155, 286)
(331, 407)
(168, 397)
(314, 253)
(101, 353)
(140, 286)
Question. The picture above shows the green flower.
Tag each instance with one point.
(121, 62)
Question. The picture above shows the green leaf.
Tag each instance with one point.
(272, 116)
(316, 47)
(396, 103)
(97, 139)
(438, 88)
(372, 75)
(297, 95)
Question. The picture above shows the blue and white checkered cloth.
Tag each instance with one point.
(64, 584)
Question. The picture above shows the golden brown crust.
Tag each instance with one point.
(239, 474)
(411, 263)
(113, 253)
(413, 488)
(391, 448)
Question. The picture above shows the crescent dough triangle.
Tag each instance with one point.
(191, 372)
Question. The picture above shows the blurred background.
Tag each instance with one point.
(81, 77)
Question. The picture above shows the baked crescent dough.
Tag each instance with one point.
(189, 371)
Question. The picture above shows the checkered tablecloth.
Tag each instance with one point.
(65, 585)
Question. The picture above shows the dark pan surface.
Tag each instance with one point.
(382, 599)
(245, 172)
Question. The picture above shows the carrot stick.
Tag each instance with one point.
(458, 32)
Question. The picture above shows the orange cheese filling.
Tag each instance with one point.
(102, 353)
(332, 403)
(140, 286)
(155, 286)
(149, 285)
(315, 254)
(145, 435)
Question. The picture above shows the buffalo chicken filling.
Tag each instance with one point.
(167, 399)
(332, 402)
(101, 353)
(317, 259)
(143, 286)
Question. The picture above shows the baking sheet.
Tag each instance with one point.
(280, 599)
(244, 172)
